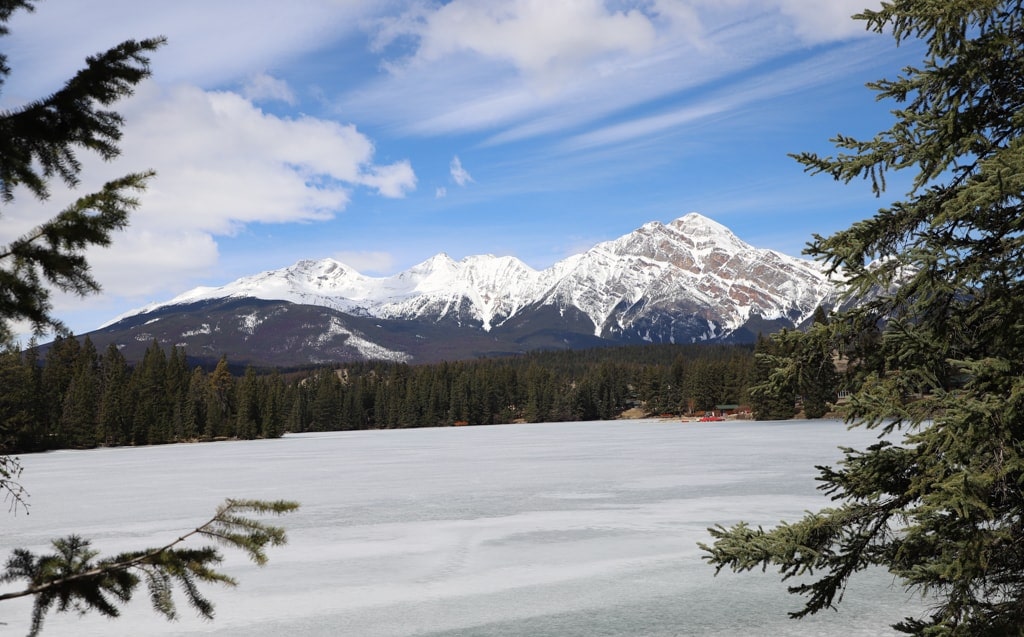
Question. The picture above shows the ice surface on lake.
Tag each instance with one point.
(574, 529)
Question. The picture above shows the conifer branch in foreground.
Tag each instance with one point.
(70, 579)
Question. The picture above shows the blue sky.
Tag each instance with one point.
(381, 132)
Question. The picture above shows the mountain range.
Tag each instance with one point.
(690, 280)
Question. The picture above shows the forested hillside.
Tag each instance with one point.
(73, 396)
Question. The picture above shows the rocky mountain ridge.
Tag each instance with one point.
(686, 281)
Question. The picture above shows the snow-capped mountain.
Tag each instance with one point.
(477, 289)
(685, 281)
(663, 282)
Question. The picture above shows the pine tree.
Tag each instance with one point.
(115, 414)
(772, 396)
(791, 365)
(247, 417)
(937, 350)
(18, 422)
(298, 418)
(196, 400)
(220, 401)
(58, 371)
(33, 436)
(177, 379)
(80, 403)
(71, 578)
(456, 395)
(326, 405)
(272, 407)
(152, 413)
(817, 379)
(539, 394)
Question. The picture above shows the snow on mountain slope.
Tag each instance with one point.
(479, 289)
(690, 272)
(493, 287)
(325, 282)
(691, 265)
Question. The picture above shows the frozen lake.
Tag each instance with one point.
(570, 529)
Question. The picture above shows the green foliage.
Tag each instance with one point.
(72, 579)
(791, 366)
(773, 387)
(935, 352)
(77, 398)
(594, 384)
(83, 399)
(10, 473)
(40, 141)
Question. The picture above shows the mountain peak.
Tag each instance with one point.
(697, 221)
(703, 229)
(690, 279)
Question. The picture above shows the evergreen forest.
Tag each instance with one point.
(69, 395)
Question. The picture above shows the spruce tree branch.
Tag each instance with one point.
(39, 140)
(8, 7)
(54, 252)
(70, 576)
(146, 557)
(10, 471)
(107, 207)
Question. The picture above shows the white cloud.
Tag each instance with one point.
(393, 180)
(682, 17)
(184, 254)
(647, 126)
(543, 39)
(811, 21)
(816, 21)
(263, 87)
(441, 192)
(221, 163)
(459, 174)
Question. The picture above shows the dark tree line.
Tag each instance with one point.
(72, 396)
(596, 384)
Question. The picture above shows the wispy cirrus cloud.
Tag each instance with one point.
(786, 81)
(527, 68)
(210, 43)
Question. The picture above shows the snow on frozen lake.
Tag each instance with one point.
(570, 529)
